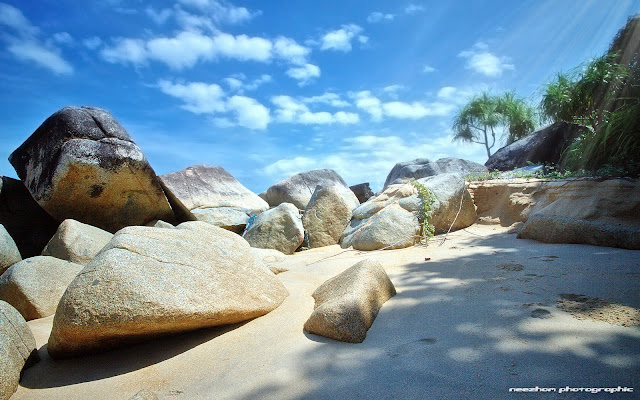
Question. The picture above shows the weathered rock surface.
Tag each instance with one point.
(453, 202)
(35, 285)
(279, 228)
(422, 168)
(605, 213)
(326, 216)
(82, 164)
(362, 191)
(76, 242)
(154, 281)
(28, 224)
(212, 195)
(299, 188)
(17, 349)
(271, 258)
(392, 228)
(347, 304)
(543, 146)
(9, 253)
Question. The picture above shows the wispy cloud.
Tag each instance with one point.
(428, 69)
(377, 16)
(480, 60)
(25, 44)
(340, 39)
(366, 101)
(304, 73)
(291, 110)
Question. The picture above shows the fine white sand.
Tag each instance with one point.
(467, 323)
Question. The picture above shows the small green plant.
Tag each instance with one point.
(425, 213)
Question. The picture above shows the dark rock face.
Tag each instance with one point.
(543, 146)
(362, 191)
(28, 224)
(422, 168)
(299, 188)
(82, 164)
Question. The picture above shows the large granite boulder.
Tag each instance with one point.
(422, 168)
(17, 349)
(154, 281)
(362, 191)
(82, 164)
(347, 304)
(391, 228)
(76, 242)
(544, 146)
(326, 216)
(299, 188)
(9, 253)
(212, 195)
(35, 285)
(28, 224)
(375, 226)
(279, 228)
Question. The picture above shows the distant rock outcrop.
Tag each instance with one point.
(299, 188)
(347, 304)
(326, 216)
(422, 168)
(279, 228)
(544, 146)
(35, 285)
(28, 224)
(17, 349)
(82, 164)
(76, 242)
(212, 195)
(155, 281)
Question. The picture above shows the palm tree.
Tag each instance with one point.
(557, 100)
(478, 120)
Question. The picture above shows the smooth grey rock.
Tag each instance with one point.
(82, 164)
(326, 216)
(9, 253)
(392, 228)
(35, 285)
(347, 304)
(279, 228)
(76, 242)
(17, 349)
(153, 281)
(28, 224)
(230, 218)
(299, 188)
(453, 202)
(422, 168)
(544, 146)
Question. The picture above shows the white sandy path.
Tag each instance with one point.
(459, 328)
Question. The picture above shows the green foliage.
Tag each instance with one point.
(555, 172)
(426, 212)
(478, 120)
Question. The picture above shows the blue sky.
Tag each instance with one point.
(266, 89)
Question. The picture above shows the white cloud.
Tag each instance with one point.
(332, 99)
(203, 98)
(480, 60)
(23, 43)
(239, 83)
(340, 39)
(289, 50)
(366, 101)
(159, 17)
(287, 167)
(222, 11)
(446, 92)
(198, 97)
(428, 69)
(369, 103)
(290, 110)
(92, 43)
(377, 16)
(234, 83)
(392, 90)
(413, 9)
(249, 112)
(188, 48)
(304, 74)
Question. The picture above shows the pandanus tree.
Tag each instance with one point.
(485, 115)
